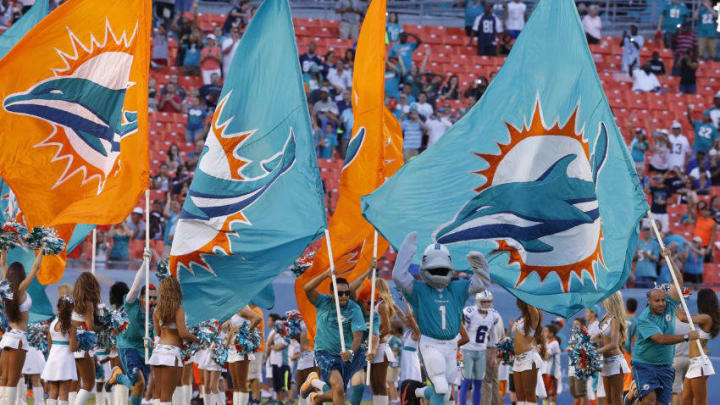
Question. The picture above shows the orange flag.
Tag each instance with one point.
(73, 127)
(374, 154)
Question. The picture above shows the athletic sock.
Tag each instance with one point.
(464, 386)
(51, 402)
(62, 402)
(11, 394)
(99, 398)
(243, 398)
(380, 400)
(21, 391)
(356, 394)
(71, 397)
(476, 391)
(38, 395)
(120, 394)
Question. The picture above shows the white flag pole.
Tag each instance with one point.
(94, 244)
(372, 306)
(335, 294)
(671, 265)
(146, 264)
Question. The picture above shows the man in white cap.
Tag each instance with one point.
(136, 224)
(437, 301)
(680, 147)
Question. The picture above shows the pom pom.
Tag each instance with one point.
(163, 269)
(4, 323)
(584, 355)
(219, 354)
(506, 351)
(45, 239)
(11, 235)
(6, 293)
(103, 316)
(37, 335)
(246, 340)
(119, 321)
(86, 339)
(206, 332)
(106, 339)
(302, 263)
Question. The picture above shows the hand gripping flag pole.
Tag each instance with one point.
(671, 265)
(335, 293)
(146, 264)
(372, 306)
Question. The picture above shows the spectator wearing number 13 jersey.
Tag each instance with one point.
(479, 321)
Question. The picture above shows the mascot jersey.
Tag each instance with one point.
(439, 312)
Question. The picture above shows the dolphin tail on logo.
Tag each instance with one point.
(354, 146)
(600, 153)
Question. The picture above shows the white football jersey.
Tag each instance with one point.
(479, 327)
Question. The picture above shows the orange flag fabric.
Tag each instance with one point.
(374, 153)
(73, 127)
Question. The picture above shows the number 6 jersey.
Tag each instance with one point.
(479, 327)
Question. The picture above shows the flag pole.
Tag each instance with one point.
(94, 244)
(671, 265)
(334, 287)
(146, 264)
(372, 306)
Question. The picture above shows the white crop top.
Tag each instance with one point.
(25, 306)
(606, 327)
(58, 336)
(519, 327)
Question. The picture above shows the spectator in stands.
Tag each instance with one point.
(229, 46)
(349, 59)
(422, 106)
(631, 46)
(182, 27)
(714, 111)
(639, 146)
(477, 88)
(343, 101)
(192, 49)
(392, 78)
(195, 127)
(671, 18)
(171, 101)
(657, 66)
(194, 155)
(451, 90)
(6, 11)
(660, 192)
(693, 268)
(714, 164)
(658, 162)
(211, 59)
(473, 8)
(404, 49)
(402, 107)
(432, 87)
(393, 28)
(171, 212)
(592, 24)
(182, 180)
(409, 92)
(237, 16)
(179, 90)
(159, 56)
(350, 13)
(339, 77)
(705, 229)
(486, 28)
(644, 79)
(679, 147)
(325, 109)
(687, 65)
(412, 134)
(436, 126)
(514, 16)
(328, 61)
(135, 224)
(685, 40)
(706, 18)
(646, 259)
(705, 132)
(698, 163)
(347, 120)
(328, 142)
(210, 93)
(163, 179)
(157, 221)
(414, 77)
(120, 235)
(172, 157)
(313, 79)
(505, 43)
(310, 58)
(163, 11)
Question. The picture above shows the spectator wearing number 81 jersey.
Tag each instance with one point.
(479, 321)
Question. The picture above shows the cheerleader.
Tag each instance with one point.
(409, 360)
(528, 359)
(169, 324)
(86, 296)
(610, 339)
(708, 323)
(239, 362)
(60, 370)
(120, 393)
(14, 343)
(211, 372)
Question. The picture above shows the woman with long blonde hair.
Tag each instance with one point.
(14, 343)
(169, 324)
(529, 347)
(611, 338)
(86, 295)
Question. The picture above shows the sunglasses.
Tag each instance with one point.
(345, 293)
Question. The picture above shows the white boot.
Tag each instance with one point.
(11, 395)
(38, 395)
(51, 402)
(121, 394)
(21, 392)
(380, 399)
(99, 397)
(82, 397)
(243, 398)
(71, 397)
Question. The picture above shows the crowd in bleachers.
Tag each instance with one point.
(662, 91)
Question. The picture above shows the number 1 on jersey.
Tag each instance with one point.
(443, 323)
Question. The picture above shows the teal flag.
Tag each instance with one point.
(9, 38)
(536, 176)
(256, 200)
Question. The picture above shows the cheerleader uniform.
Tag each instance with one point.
(234, 356)
(700, 366)
(34, 362)
(166, 355)
(60, 365)
(383, 350)
(17, 338)
(614, 364)
(75, 317)
(525, 361)
(409, 360)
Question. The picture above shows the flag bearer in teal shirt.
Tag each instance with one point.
(654, 347)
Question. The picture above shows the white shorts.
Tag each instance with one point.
(440, 357)
(614, 365)
(700, 367)
(255, 369)
(306, 360)
(525, 361)
(34, 362)
(205, 361)
(15, 339)
(234, 356)
(166, 355)
(383, 352)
